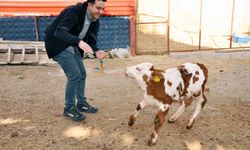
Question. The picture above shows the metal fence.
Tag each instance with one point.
(163, 26)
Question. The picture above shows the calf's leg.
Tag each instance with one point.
(181, 109)
(200, 104)
(139, 108)
(159, 120)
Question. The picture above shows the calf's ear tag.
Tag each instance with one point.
(156, 79)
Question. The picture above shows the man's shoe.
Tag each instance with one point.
(86, 108)
(74, 114)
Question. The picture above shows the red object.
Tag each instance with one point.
(53, 8)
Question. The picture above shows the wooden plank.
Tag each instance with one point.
(9, 55)
(23, 54)
(37, 54)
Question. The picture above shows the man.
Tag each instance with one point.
(71, 34)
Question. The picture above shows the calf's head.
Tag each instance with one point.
(139, 70)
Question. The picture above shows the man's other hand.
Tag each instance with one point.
(85, 47)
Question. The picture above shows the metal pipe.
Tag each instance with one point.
(36, 27)
(232, 23)
(132, 35)
(200, 26)
(168, 28)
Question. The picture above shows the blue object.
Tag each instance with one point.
(43, 23)
(113, 33)
(241, 38)
(18, 28)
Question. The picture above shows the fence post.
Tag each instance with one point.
(36, 27)
(200, 26)
(132, 35)
(232, 24)
(168, 27)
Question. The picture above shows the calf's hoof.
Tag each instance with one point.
(190, 124)
(131, 121)
(151, 142)
(170, 121)
(152, 139)
(189, 127)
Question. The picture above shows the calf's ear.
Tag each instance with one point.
(152, 68)
(157, 76)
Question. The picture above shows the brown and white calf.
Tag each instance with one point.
(163, 87)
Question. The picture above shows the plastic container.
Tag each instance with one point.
(241, 38)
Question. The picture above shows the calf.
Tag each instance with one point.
(163, 87)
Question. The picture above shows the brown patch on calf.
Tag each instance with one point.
(169, 83)
(179, 89)
(204, 102)
(188, 102)
(197, 94)
(205, 72)
(157, 89)
(204, 69)
(159, 120)
(138, 107)
(195, 79)
(186, 78)
(152, 68)
(157, 70)
(145, 78)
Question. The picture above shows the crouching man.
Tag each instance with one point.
(71, 34)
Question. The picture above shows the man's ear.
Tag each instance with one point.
(90, 4)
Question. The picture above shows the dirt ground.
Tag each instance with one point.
(32, 101)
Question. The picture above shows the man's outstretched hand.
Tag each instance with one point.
(100, 54)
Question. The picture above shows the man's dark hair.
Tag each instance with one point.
(93, 1)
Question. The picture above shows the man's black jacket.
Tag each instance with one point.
(64, 30)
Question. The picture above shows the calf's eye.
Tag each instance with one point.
(138, 69)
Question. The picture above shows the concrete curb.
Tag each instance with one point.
(223, 54)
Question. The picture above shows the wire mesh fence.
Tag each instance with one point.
(164, 26)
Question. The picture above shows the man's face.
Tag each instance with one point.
(97, 9)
